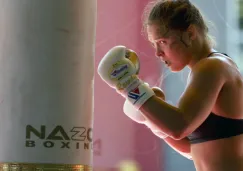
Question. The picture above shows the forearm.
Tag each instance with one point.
(182, 146)
(165, 116)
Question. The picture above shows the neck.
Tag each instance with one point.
(200, 52)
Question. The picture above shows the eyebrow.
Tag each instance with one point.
(157, 40)
(161, 37)
(164, 35)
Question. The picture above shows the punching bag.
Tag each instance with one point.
(46, 84)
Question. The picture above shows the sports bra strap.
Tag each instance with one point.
(215, 53)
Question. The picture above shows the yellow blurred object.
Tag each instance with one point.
(133, 57)
(129, 165)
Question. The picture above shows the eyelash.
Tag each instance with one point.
(161, 42)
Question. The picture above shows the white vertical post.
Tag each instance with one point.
(46, 83)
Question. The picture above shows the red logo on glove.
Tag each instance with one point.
(135, 94)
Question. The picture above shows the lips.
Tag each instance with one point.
(167, 63)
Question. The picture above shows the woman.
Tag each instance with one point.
(207, 124)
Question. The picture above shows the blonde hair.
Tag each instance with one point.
(175, 15)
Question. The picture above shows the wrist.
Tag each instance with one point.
(138, 95)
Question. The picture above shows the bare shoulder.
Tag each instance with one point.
(204, 85)
(214, 66)
(216, 63)
(211, 67)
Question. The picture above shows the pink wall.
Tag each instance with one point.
(116, 137)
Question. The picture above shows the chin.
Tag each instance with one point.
(176, 69)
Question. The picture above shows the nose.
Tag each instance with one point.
(159, 52)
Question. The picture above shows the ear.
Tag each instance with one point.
(192, 32)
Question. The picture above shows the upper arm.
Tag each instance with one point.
(201, 93)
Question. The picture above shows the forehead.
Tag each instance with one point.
(155, 32)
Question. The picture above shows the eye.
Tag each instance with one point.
(162, 42)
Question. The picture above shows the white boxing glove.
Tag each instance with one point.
(119, 71)
(159, 134)
(138, 117)
(156, 131)
(133, 113)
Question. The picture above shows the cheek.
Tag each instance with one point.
(176, 46)
(175, 54)
(178, 52)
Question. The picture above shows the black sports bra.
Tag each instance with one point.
(216, 127)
